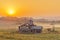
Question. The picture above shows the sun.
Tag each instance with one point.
(11, 12)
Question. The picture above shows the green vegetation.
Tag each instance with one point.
(14, 35)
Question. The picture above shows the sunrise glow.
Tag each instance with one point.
(31, 8)
(10, 12)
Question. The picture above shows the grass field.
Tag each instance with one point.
(14, 35)
(10, 34)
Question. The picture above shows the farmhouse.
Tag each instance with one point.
(29, 27)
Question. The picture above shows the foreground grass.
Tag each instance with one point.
(13, 35)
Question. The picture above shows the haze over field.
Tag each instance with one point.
(13, 22)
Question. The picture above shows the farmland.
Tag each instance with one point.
(15, 35)
(10, 32)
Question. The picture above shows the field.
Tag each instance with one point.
(14, 35)
(9, 32)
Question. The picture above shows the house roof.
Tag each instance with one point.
(36, 27)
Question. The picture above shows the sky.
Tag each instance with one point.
(31, 8)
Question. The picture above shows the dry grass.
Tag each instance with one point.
(14, 35)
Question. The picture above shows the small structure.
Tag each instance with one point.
(36, 29)
(29, 27)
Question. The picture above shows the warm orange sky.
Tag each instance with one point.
(33, 8)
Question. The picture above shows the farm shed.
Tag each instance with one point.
(36, 29)
(28, 27)
(33, 29)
